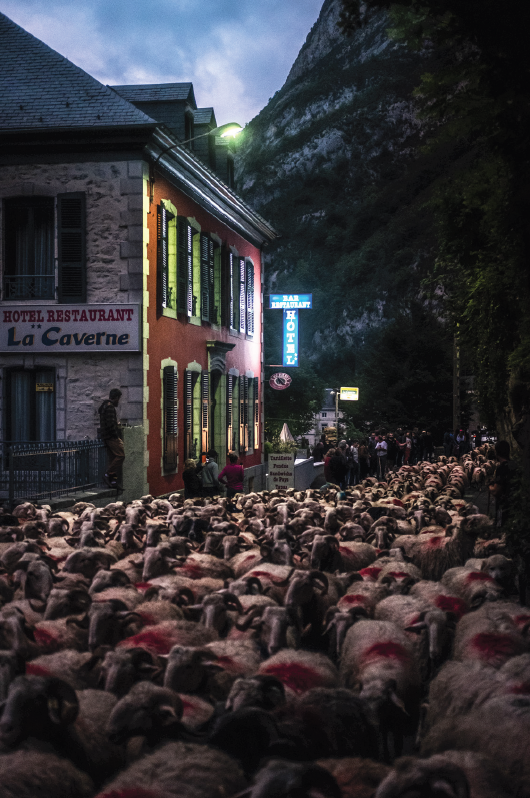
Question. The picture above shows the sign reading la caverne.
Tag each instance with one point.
(70, 328)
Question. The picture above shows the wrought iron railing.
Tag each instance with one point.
(40, 471)
(29, 286)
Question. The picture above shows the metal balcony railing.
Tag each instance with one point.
(40, 471)
(29, 286)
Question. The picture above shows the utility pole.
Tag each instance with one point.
(456, 381)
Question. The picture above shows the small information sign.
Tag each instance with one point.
(349, 394)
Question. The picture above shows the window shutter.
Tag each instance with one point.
(211, 282)
(234, 292)
(226, 287)
(162, 219)
(250, 297)
(243, 413)
(229, 413)
(256, 413)
(170, 418)
(71, 235)
(205, 277)
(250, 414)
(242, 296)
(188, 413)
(235, 414)
(205, 395)
(184, 266)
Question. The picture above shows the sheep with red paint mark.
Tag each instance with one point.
(474, 587)
(300, 671)
(491, 635)
(378, 660)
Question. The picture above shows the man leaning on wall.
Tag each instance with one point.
(111, 435)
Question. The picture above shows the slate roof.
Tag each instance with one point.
(204, 116)
(157, 92)
(40, 88)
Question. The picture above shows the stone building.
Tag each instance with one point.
(126, 261)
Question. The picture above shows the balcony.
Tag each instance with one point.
(29, 286)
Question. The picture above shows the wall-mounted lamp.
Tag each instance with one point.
(230, 129)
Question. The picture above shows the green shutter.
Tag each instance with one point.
(250, 297)
(212, 310)
(242, 295)
(256, 413)
(170, 404)
(71, 235)
(184, 266)
(162, 273)
(225, 288)
(229, 413)
(234, 292)
(205, 407)
(205, 277)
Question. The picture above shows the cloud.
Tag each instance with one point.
(237, 53)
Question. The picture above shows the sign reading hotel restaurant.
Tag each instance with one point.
(290, 301)
(349, 394)
(26, 329)
(281, 470)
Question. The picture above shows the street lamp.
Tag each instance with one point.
(336, 395)
(229, 130)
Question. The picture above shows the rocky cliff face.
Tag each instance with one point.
(332, 162)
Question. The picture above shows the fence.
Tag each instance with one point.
(40, 471)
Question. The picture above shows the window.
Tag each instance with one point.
(29, 271)
(232, 438)
(237, 291)
(250, 296)
(205, 409)
(256, 413)
(323, 415)
(170, 417)
(29, 405)
(243, 413)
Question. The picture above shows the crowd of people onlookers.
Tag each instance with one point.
(202, 478)
(353, 460)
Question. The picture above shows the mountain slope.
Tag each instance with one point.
(333, 162)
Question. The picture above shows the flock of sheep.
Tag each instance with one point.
(312, 644)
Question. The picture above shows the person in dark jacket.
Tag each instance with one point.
(111, 435)
(338, 469)
(192, 483)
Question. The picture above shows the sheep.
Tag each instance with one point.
(147, 711)
(379, 660)
(399, 576)
(441, 597)
(179, 770)
(491, 635)
(474, 587)
(299, 671)
(363, 594)
(435, 553)
(79, 669)
(278, 627)
(160, 638)
(281, 779)
(124, 667)
(264, 692)
(27, 774)
(357, 778)
(453, 773)
(499, 567)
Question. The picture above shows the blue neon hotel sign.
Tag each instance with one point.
(290, 301)
(290, 337)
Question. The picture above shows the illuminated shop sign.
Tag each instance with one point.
(288, 301)
(290, 338)
(70, 328)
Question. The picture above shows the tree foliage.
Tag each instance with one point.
(476, 94)
(296, 405)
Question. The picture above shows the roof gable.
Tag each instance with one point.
(157, 92)
(204, 116)
(42, 89)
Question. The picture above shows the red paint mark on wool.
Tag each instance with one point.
(522, 620)
(387, 650)
(491, 645)
(371, 572)
(523, 688)
(436, 542)
(398, 574)
(192, 570)
(45, 638)
(149, 620)
(350, 598)
(155, 641)
(142, 585)
(454, 605)
(36, 670)
(478, 576)
(398, 503)
(298, 677)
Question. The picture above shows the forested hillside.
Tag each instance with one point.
(335, 162)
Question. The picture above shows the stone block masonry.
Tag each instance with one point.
(116, 238)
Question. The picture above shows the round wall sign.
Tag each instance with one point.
(280, 381)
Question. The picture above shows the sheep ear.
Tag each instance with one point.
(63, 706)
(398, 702)
(417, 628)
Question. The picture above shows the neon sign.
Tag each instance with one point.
(290, 301)
(290, 338)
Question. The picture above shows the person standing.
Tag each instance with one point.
(192, 483)
(372, 443)
(338, 468)
(318, 452)
(381, 454)
(209, 474)
(392, 449)
(364, 460)
(232, 476)
(448, 443)
(354, 472)
(111, 436)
